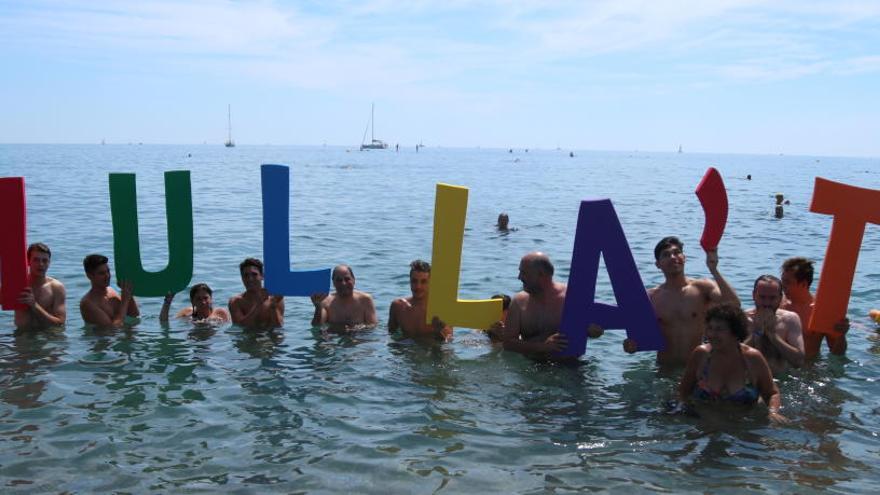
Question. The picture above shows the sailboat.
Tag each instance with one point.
(374, 144)
(229, 142)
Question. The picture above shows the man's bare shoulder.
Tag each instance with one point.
(236, 299)
(520, 298)
(362, 296)
(54, 283)
(704, 284)
(788, 316)
(400, 303)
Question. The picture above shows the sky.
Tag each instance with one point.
(729, 76)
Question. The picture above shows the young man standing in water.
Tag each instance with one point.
(680, 303)
(797, 276)
(255, 308)
(346, 307)
(44, 296)
(408, 313)
(102, 306)
(774, 331)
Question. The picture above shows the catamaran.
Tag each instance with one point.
(374, 144)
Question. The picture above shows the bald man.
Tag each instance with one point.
(347, 307)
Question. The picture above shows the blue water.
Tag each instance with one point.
(178, 409)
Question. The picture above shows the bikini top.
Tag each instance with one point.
(748, 394)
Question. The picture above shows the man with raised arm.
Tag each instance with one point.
(345, 308)
(408, 313)
(797, 276)
(255, 308)
(774, 331)
(102, 306)
(44, 296)
(680, 303)
(535, 314)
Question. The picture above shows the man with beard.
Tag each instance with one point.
(102, 306)
(532, 326)
(44, 296)
(345, 308)
(255, 308)
(773, 331)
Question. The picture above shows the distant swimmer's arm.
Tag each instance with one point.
(320, 316)
(722, 292)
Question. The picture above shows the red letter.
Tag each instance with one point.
(13, 246)
(852, 207)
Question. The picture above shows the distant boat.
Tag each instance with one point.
(229, 142)
(374, 144)
(679, 148)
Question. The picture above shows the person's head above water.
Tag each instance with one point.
(503, 221)
(419, 278)
(202, 298)
(797, 275)
(767, 293)
(669, 256)
(251, 270)
(726, 317)
(343, 280)
(97, 270)
(536, 272)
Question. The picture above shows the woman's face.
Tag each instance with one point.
(719, 334)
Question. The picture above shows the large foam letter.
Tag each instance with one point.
(852, 207)
(599, 233)
(450, 208)
(13, 257)
(126, 243)
(713, 198)
(279, 279)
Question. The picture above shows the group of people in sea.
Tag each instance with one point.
(730, 355)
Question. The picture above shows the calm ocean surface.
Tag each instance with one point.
(298, 410)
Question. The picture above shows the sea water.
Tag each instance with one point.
(182, 409)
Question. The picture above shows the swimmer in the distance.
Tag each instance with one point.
(202, 307)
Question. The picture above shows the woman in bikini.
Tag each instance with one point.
(726, 370)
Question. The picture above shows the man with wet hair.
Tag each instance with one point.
(680, 302)
(535, 314)
(255, 308)
(408, 313)
(797, 276)
(44, 296)
(346, 307)
(102, 306)
(774, 331)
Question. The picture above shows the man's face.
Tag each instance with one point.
(100, 277)
(252, 278)
(202, 301)
(343, 282)
(671, 260)
(767, 295)
(529, 277)
(790, 283)
(39, 263)
(419, 283)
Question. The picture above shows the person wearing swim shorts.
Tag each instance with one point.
(724, 370)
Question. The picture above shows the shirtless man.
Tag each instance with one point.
(102, 306)
(773, 331)
(44, 296)
(680, 303)
(347, 307)
(255, 308)
(797, 276)
(201, 299)
(408, 313)
(532, 326)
